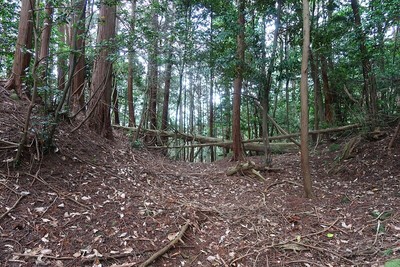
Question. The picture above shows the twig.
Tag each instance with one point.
(377, 232)
(12, 144)
(114, 257)
(168, 246)
(49, 206)
(43, 256)
(281, 182)
(15, 204)
(9, 188)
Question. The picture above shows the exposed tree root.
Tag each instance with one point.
(245, 168)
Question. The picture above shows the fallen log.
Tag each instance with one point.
(257, 147)
(249, 145)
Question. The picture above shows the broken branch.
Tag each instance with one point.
(168, 246)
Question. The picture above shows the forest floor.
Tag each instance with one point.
(95, 202)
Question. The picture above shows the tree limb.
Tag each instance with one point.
(167, 247)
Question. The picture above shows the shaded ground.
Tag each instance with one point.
(102, 203)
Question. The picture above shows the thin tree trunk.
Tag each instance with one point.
(318, 109)
(191, 113)
(45, 38)
(228, 118)
(131, 109)
(167, 82)
(131, 56)
(236, 134)
(44, 50)
(329, 111)
(305, 164)
(62, 62)
(115, 101)
(153, 68)
(211, 97)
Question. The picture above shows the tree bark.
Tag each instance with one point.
(22, 56)
(61, 60)
(45, 38)
(168, 76)
(78, 81)
(44, 53)
(153, 68)
(267, 86)
(101, 86)
(131, 56)
(237, 91)
(318, 109)
(329, 100)
(115, 105)
(305, 164)
(211, 97)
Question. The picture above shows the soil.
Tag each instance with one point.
(95, 202)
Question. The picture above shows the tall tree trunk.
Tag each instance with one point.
(45, 38)
(237, 91)
(227, 115)
(61, 60)
(267, 87)
(191, 113)
(168, 76)
(167, 87)
(115, 105)
(44, 50)
(22, 56)
(131, 56)
(211, 97)
(369, 89)
(101, 86)
(78, 81)
(131, 108)
(153, 68)
(329, 100)
(305, 162)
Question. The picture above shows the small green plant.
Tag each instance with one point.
(334, 147)
(388, 252)
(136, 144)
(393, 263)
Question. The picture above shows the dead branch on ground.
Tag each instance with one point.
(281, 182)
(168, 246)
(15, 204)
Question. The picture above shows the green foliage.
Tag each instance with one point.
(393, 263)
(388, 252)
(9, 11)
(334, 147)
